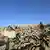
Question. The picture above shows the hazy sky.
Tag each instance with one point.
(24, 11)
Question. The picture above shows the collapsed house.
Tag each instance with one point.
(24, 37)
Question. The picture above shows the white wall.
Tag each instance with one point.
(10, 34)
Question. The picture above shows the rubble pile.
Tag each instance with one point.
(30, 38)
